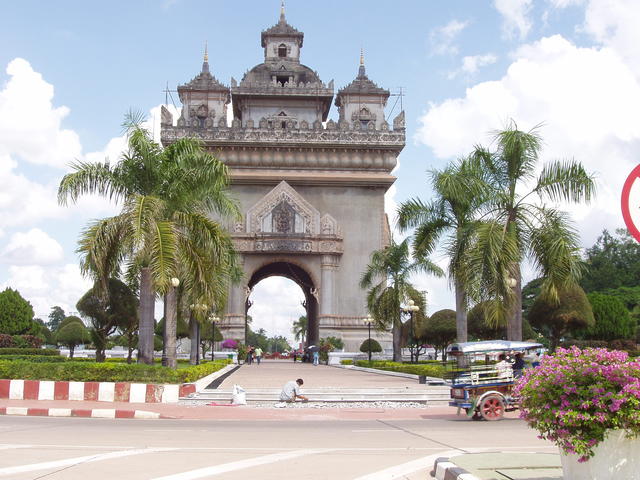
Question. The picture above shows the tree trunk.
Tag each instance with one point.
(193, 334)
(461, 313)
(147, 322)
(514, 325)
(71, 348)
(170, 322)
(397, 341)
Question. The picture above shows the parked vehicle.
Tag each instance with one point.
(480, 387)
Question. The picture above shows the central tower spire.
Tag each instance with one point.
(282, 19)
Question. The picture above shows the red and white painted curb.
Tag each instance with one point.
(79, 412)
(94, 391)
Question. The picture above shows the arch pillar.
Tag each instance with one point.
(328, 267)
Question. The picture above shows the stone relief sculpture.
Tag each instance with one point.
(166, 118)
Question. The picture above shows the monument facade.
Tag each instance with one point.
(311, 189)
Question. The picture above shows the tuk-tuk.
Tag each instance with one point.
(481, 387)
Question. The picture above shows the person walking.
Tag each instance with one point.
(258, 354)
(249, 354)
(316, 357)
(291, 391)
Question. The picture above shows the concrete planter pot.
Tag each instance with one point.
(617, 457)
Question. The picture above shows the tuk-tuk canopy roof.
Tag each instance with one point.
(491, 346)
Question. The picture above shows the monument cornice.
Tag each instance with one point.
(299, 244)
(312, 177)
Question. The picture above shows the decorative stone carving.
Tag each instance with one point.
(328, 225)
(263, 123)
(236, 124)
(304, 217)
(238, 227)
(284, 245)
(249, 123)
(398, 122)
(304, 125)
(222, 123)
(331, 125)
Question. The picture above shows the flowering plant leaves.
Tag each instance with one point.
(575, 396)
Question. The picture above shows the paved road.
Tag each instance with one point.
(275, 373)
(73, 448)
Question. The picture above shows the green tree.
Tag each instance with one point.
(118, 307)
(612, 319)
(40, 330)
(558, 318)
(480, 328)
(164, 228)
(516, 224)
(278, 343)
(16, 314)
(336, 342)
(387, 280)
(614, 261)
(457, 195)
(440, 330)
(300, 329)
(71, 332)
(370, 346)
(56, 316)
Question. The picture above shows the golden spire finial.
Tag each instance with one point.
(362, 56)
(282, 10)
(206, 53)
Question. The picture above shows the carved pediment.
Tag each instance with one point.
(283, 211)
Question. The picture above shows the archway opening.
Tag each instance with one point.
(281, 292)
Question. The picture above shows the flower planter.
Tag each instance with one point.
(617, 457)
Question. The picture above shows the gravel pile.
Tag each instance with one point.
(384, 405)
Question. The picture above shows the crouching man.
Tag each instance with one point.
(291, 391)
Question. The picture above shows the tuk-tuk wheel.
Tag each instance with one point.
(492, 407)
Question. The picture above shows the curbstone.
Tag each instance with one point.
(443, 469)
(79, 412)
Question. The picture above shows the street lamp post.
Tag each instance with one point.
(169, 310)
(369, 321)
(411, 308)
(214, 319)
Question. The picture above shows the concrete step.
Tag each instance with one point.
(430, 396)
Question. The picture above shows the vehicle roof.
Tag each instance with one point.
(491, 346)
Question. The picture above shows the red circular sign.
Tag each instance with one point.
(631, 203)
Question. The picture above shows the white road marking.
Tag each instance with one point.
(11, 447)
(77, 460)
(242, 464)
(378, 430)
(398, 471)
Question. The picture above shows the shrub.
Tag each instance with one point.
(27, 341)
(33, 358)
(105, 372)
(415, 369)
(370, 346)
(347, 362)
(230, 343)
(29, 351)
(16, 314)
(612, 318)
(6, 341)
(575, 396)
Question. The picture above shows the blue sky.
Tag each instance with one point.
(69, 70)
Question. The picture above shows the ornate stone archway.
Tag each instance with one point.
(311, 189)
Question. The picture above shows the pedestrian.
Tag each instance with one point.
(316, 357)
(258, 354)
(295, 356)
(518, 365)
(536, 360)
(503, 367)
(291, 391)
(249, 354)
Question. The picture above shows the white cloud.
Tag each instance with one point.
(471, 64)
(515, 15)
(34, 247)
(276, 305)
(46, 287)
(443, 38)
(30, 126)
(589, 100)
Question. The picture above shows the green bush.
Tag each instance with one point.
(347, 362)
(105, 372)
(33, 358)
(29, 351)
(370, 345)
(430, 370)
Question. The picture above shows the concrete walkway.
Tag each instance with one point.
(275, 373)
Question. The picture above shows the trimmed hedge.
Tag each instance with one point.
(347, 362)
(33, 358)
(29, 351)
(105, 372)
(415, 369)
(19, 341)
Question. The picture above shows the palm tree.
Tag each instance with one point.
(516, 224)
(458, 193)
(387, 280)
(167, 196)
(300, 328)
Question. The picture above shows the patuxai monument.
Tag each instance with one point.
(311, 189)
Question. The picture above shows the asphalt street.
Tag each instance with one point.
(75, 448)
